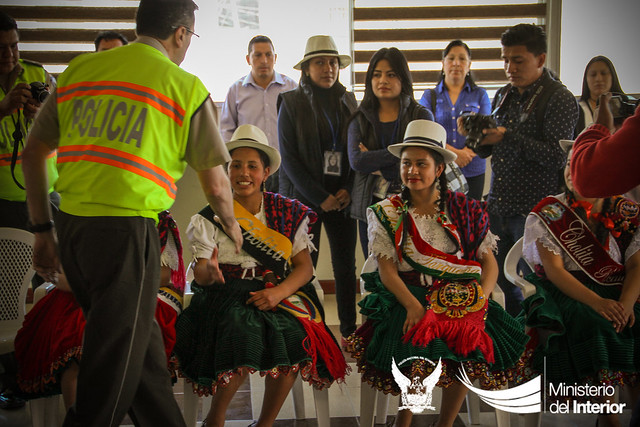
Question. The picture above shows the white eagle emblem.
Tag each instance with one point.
(416, 395)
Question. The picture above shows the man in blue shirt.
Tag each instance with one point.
(533, 112)
(252, 99)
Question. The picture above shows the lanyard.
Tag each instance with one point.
(334, 130)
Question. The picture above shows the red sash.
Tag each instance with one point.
(574, 236)
(455, 305)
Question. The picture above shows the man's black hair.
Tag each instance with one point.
(7, 23)
(531, 36)
(160, 18)
(259, 39)
(109, 35)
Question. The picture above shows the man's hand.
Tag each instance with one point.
(331, 203)
(343, 198)
(603, 114)
(493, 136)
(15, 99)
(45, 256)
(235, 233)
(465, 155)
(31, 108)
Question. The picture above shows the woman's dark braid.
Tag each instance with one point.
(600, 231)
(444, 196)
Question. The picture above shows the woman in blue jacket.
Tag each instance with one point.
(456, 93)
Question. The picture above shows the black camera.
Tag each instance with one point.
(621, 107)
(473, 124)
(39, 91)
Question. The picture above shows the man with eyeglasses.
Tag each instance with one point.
(126, 122)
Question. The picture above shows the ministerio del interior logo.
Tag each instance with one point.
(416, 394)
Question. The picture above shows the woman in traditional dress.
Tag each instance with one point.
(49, 344)
(587, 276)
(382, 117)
(429, 298)
(255, 311)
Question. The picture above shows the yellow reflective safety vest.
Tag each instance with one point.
(124, 119)
(9, 190)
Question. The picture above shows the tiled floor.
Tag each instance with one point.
(344, 402)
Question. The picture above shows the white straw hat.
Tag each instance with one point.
(424, 134)
(566, 144)
(253, 137)
(322, 46)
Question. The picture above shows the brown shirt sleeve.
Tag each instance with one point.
(205, 147)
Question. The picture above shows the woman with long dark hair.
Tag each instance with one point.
(456, 93)
(312, 122)
(386, 109)
(429, 297)
(599, 77)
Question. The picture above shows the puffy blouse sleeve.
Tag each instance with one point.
(380, 245)
(202, 235)
(302, 239)
(535, 231)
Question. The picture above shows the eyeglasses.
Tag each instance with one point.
(186, 28)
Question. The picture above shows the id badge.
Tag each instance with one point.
(380, 188)
(332, 163)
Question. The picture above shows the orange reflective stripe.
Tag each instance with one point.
(5, 159)
(132, 91)
(119, 159)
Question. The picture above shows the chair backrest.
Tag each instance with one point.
(370, 265)
(511, 269)
(16, 250)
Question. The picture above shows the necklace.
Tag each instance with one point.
(599, 217)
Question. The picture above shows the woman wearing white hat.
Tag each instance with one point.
(429, 296)
(256, 310)
(311, 130)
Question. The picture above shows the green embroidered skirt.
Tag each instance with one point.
(380, 339)
(218, 334)
(580, 345)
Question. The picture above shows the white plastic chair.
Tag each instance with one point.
(511, 269)
(528, 289)
(16, 250)
(320, 397)
(374, 401)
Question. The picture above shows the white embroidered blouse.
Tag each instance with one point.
(205, 236)
(381, 245)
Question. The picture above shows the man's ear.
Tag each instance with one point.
(248, 61)
(541, 59)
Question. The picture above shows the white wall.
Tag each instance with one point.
(218, 56)
(596, 27)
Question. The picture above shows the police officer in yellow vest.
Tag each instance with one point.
(125, 122)
(17, 110)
